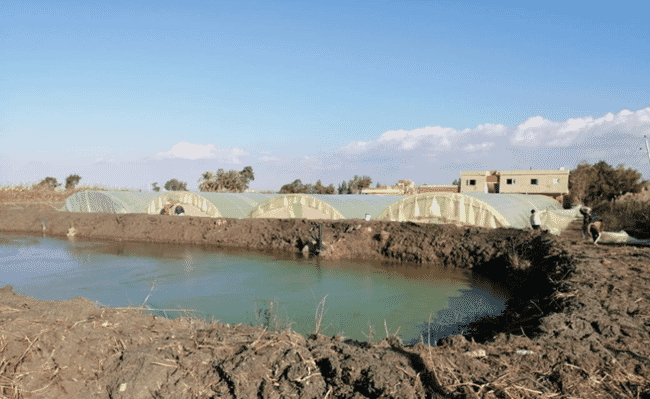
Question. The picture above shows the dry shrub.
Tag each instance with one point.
(643, 196)
(630, 213)
(517, 262)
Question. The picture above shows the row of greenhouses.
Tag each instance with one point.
(475, 209)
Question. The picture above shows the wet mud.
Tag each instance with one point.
(578, 323)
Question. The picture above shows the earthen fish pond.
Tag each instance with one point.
(356, 299)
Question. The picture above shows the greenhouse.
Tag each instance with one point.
(480, 209)
(474, 209)
(322, 206)
(110, 201)
(226, 205)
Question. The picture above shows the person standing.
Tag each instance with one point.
(534, 220)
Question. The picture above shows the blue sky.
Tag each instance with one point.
(128, 93)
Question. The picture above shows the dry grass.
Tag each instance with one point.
(320, 312)
(512, 380)
(631, 213)
(643, 196)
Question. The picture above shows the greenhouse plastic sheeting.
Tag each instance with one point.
(110, 201)
(226, 205)
(209, 204)
(235, 205)
(556, 220)
(322, 206)
(479, 209)
(621, 237)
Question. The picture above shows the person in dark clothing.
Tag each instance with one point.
(534, 220)
(591, 224)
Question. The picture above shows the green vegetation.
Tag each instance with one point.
(155, 186)
(175, 185)
(355, 185)
(297, 187)
(592, 184)
(229, 182)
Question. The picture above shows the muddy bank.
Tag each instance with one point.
(579, 325)
(392, 241)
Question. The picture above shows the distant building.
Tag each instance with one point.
(382, 190)
(403, 187)
(407, 187)
(438, 189)
(554, 183)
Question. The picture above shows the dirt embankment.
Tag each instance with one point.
(359, 239)
(579, 325)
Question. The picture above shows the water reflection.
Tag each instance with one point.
(470, 306)
(244, 287)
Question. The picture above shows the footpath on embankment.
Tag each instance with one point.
(578, 324)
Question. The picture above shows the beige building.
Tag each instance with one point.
(554, 183)
(403, 187)
(407, 187)
(438, 189)
(383, 190)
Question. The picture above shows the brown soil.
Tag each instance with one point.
(579, 325)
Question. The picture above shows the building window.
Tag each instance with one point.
(534, 182)
(556, 181)
(471, 182)
(511, 181)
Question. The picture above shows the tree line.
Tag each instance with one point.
(234, 181)
(353, 186)
(600, 182)
(588, 184)
(221, 181)
(50, 183)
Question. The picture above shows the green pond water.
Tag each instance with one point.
(250, 288)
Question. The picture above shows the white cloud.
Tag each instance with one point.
(538, 141)
(532, 131)
(432, 154)
(573, 125)
(538, 131)
(357, 147)
(424, 132)
(203, 151)
(429, 139)
(489, 129)
(478, 147)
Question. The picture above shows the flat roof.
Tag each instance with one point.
(520, 172)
